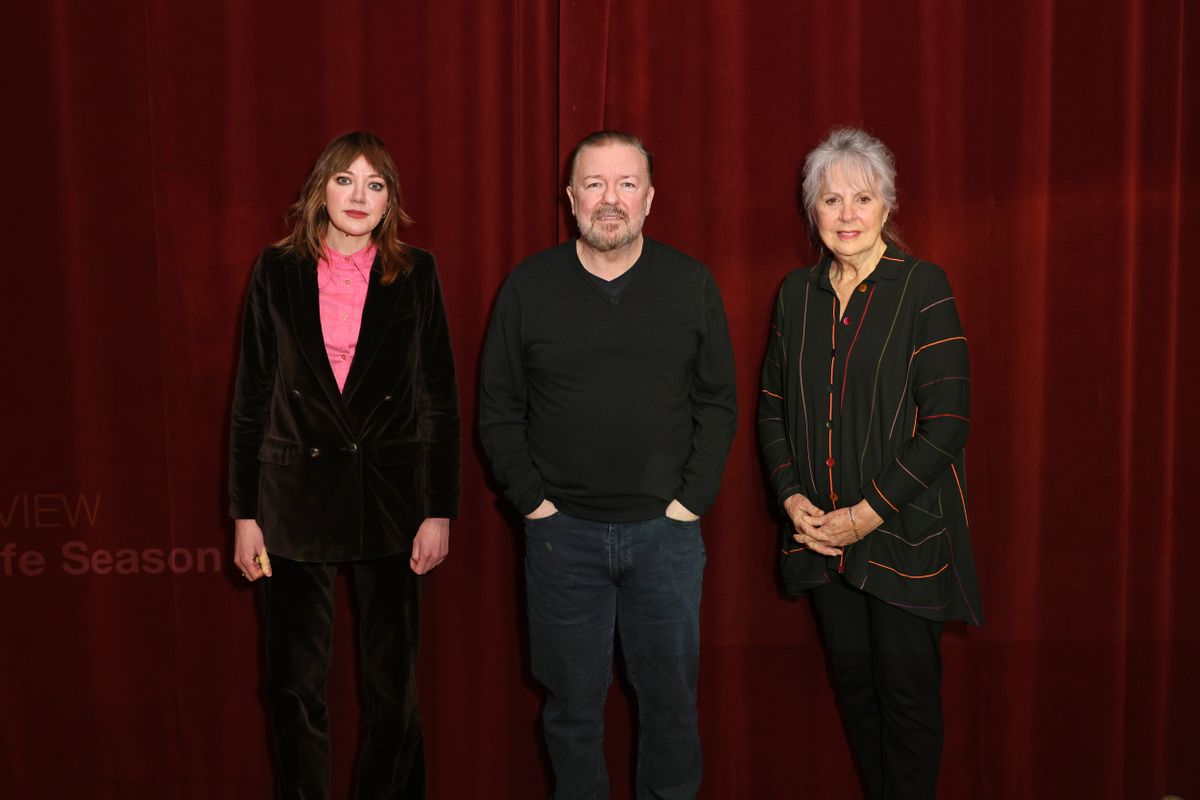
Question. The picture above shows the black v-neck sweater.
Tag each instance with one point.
(609, 407)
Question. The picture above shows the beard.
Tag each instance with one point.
(608, 235)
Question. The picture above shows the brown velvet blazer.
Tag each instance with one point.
(336, 476)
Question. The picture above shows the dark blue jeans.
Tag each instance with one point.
(644, 578)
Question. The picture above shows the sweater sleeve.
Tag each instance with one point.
(439, 422)
(939, 381)
(714, 406)
(776, 448)
(251, 396)
(503, 404)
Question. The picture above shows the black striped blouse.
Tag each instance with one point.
(872, 402)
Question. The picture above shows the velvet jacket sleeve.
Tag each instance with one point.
(251, 396)
(438, 403)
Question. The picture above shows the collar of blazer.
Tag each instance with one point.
(378, 313)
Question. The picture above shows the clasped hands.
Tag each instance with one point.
(828, 533)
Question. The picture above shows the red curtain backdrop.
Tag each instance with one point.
(1047, 150)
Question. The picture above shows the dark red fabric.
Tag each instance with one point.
(1047, 154)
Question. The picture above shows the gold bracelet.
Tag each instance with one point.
(854, 525)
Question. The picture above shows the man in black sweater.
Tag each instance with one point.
(608, 407)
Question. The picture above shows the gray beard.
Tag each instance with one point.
(601, 243)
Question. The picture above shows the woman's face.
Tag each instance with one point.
(850, 213)
(355, 199)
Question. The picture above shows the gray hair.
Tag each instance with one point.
(860, 149)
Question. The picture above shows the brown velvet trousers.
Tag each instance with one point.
(298, 621)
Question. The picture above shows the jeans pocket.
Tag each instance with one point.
(540, 520)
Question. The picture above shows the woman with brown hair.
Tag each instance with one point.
(344, 451)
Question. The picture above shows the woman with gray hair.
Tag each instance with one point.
(863, 417)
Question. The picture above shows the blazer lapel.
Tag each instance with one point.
(306, 321)
(378, 313)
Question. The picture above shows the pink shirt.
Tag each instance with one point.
(342, 283)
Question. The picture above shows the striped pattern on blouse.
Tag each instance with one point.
(872, 402)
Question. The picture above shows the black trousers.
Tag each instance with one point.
(886, 668)
(298, 605)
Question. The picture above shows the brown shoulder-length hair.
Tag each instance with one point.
(310, 219)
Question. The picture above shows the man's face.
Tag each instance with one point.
(610, 195)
